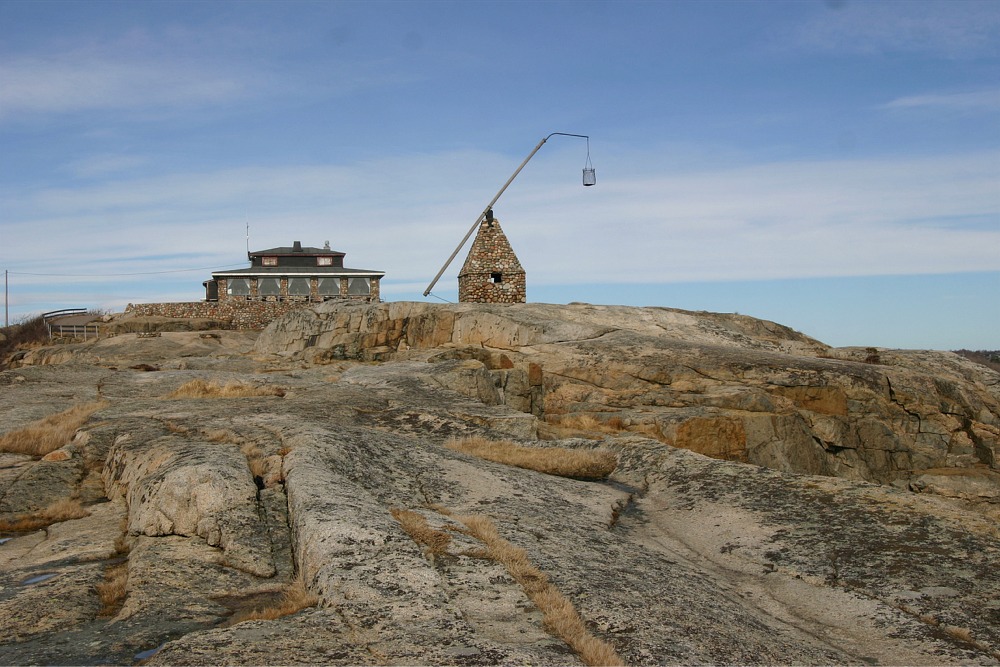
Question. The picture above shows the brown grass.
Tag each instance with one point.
(220, 435)
(174, 427)
(585, 422)
(416, 527)
(111, 591)
(956, 632)
(199, 388)
(256, 460)
(295, 598)
(49, 434)
(62, 510)
(558, 614)
(578, 463)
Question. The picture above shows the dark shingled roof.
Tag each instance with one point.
(322, 271)
(288, 250)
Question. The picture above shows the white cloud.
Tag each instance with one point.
(70, 83)
(103, 165)
(639, 224)
(980, 100)
(953, 29)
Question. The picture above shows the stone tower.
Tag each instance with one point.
(492, 272)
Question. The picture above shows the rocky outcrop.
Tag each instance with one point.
(214, 506)
(727, 386)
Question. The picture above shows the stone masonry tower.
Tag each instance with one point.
(492, 272)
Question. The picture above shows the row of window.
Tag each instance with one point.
(298, 287)
(320, 261)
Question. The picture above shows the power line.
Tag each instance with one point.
(117, 275)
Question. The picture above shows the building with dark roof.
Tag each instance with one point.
(294, 273)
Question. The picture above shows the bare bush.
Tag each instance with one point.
(199, 388)
(578, 463)
(26, 334)
(49, 434)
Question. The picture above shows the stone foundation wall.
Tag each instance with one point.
(238, 314)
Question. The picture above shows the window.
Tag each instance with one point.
(496, 277)
(359, 287)
(268, 287)
(329, 287)
(298, 287)
(324, 261)
(270, 261)
(238, 287)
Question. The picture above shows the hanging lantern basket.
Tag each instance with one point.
(589, 175)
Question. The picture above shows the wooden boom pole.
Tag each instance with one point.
(490, 205)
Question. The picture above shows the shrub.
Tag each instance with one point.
(57, 512)
(28, 333)
(578, 463)
(199, 388)
(49, 434)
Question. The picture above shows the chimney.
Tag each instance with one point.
(297, 246)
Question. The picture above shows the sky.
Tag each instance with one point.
(833, 166)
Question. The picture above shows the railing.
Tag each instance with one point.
(84, 331)
(65, 312)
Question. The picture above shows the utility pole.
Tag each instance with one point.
(6, 309)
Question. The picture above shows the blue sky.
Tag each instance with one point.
(833, 166)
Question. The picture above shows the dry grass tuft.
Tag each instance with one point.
(256, 460)
(48, 434)
(583, 422)
(579, 463)
(295, 598)
(648, 428)
(586, 422)
(111, 591)
(199, 388)
(174, 427)
(416, 527)
(956, 632)
(220, 435)
(558, 614)
(62, 510)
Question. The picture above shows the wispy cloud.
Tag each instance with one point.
(956, 28)
(640, 224)
(68, 84)
(103, 165)
(975, 101)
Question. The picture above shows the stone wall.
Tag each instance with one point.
(492, 273)
(238, 314)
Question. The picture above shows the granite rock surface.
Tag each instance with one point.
(776, 501)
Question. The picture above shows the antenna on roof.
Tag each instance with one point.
(248, 232)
